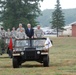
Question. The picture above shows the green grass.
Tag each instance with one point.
(62, 61)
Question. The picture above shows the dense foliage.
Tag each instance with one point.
(13, 12)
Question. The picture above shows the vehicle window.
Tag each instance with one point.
(38, 43)
(22, 43)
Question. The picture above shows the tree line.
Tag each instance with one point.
(14, 12)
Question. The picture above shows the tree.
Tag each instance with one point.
(13, 12)
(58, 20)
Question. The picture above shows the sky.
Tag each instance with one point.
(65, 4)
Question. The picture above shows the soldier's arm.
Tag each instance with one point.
(35, 34)
(42, 33)
(6, 34)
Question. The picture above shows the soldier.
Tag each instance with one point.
(21, 34)
(38, 33)
(20, 28)
(2, 40)
(13, 32)
(2, 33)
(8, 33)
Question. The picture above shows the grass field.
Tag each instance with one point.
(62, 61)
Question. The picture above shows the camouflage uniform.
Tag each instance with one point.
(20, 29)
(2, 46)
(2, 33)
(38, 33)
(21, 35)
(2, 41)
(8, 34)
(13, 33)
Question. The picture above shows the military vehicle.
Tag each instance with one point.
(30, 50)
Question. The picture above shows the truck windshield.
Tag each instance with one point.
(28, 43)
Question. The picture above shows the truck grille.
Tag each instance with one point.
(30, 54)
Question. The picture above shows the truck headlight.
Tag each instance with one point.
(38, 52)
(22, 53)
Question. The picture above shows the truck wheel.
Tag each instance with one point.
(46, 61)
(19, 62)
(15, 63)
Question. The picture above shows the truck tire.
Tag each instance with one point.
(15, 63)
(46, 61)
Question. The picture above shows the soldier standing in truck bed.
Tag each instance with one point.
(38, 33)
(21, 34)
(20, 28)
